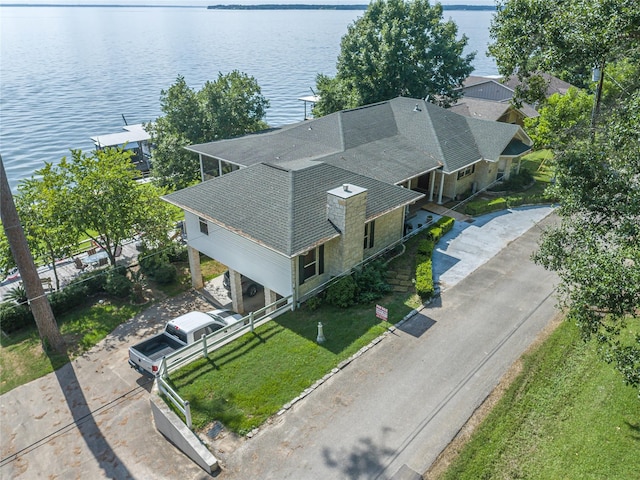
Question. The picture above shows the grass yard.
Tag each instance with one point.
(22, 358)
(567, 415)
(540, 164)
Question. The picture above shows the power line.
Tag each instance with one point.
(77, 423)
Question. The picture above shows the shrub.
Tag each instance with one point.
(425, 247)
(165, 273)
(92, 281)
(441, 227)
(424, 278)
(177, 253)
(313, 303)
(517, 182)
(342, 293)
(371, 282)
(15, 317)
(18, 295)
(479, 207)
(117, 285)
(69, 297)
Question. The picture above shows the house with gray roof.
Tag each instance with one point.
(494, 111)
(295, 206)
(490, 97)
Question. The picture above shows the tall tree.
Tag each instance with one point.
(105, 203)
(563, 37)
(41, 204)
(398, 47)
(38, 301)
(596, 248)
(230, 106)
(561, 117)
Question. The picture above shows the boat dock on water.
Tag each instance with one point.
(133, 138)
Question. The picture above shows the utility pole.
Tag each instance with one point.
(38, 301)
(598, 76)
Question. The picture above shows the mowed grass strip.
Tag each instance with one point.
(567, 415)
(23, 360)
(247, 381)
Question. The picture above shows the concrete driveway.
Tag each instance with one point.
(387, 415)
(91, 419)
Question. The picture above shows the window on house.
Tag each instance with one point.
(204, 226)
(311, 263)
(228, 167)
(467, 171)
(369, 231)
(210, 167)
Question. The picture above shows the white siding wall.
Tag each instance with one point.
(261, 264)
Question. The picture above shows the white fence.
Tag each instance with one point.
(209, 344)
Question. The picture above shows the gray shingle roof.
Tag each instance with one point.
(391, 141)
(279, 199)
(284, 209)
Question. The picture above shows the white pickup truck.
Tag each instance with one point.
(178, 333)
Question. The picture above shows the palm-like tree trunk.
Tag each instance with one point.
(40, 307)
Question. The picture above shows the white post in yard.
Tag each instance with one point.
(320, 338)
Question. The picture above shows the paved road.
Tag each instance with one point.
(392, 410)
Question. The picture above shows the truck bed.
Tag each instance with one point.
(158, 347)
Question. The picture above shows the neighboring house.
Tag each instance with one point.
(490, 98)
(494, 111)
(292, 207)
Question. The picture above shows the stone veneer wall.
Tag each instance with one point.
(389, 228)
(348, 215)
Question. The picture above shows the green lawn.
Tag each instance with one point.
(567, 415)
(22, 358)
(244, 383)
(540, 164)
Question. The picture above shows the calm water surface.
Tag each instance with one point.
(67, 74)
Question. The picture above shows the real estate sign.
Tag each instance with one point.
(382, 313)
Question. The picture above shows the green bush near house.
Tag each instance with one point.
(480, 207)
(362, 286)
(423, 263)
(14, 317)
(424, 277)
(342, 293)
(440, 228)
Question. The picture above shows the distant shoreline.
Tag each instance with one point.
(305, 6)
(274, 6)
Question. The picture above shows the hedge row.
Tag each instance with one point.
(440, 228)
(424, 270)
(113, 282)
(479, 207)
(424, 266)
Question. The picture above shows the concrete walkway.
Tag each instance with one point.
(386, 415)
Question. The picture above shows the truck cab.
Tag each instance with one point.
(184, 330)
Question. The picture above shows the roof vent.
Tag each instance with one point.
(345, 187)
(417, 108)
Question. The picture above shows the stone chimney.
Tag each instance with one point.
(346, 210)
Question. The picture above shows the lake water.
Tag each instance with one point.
(68, 74)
